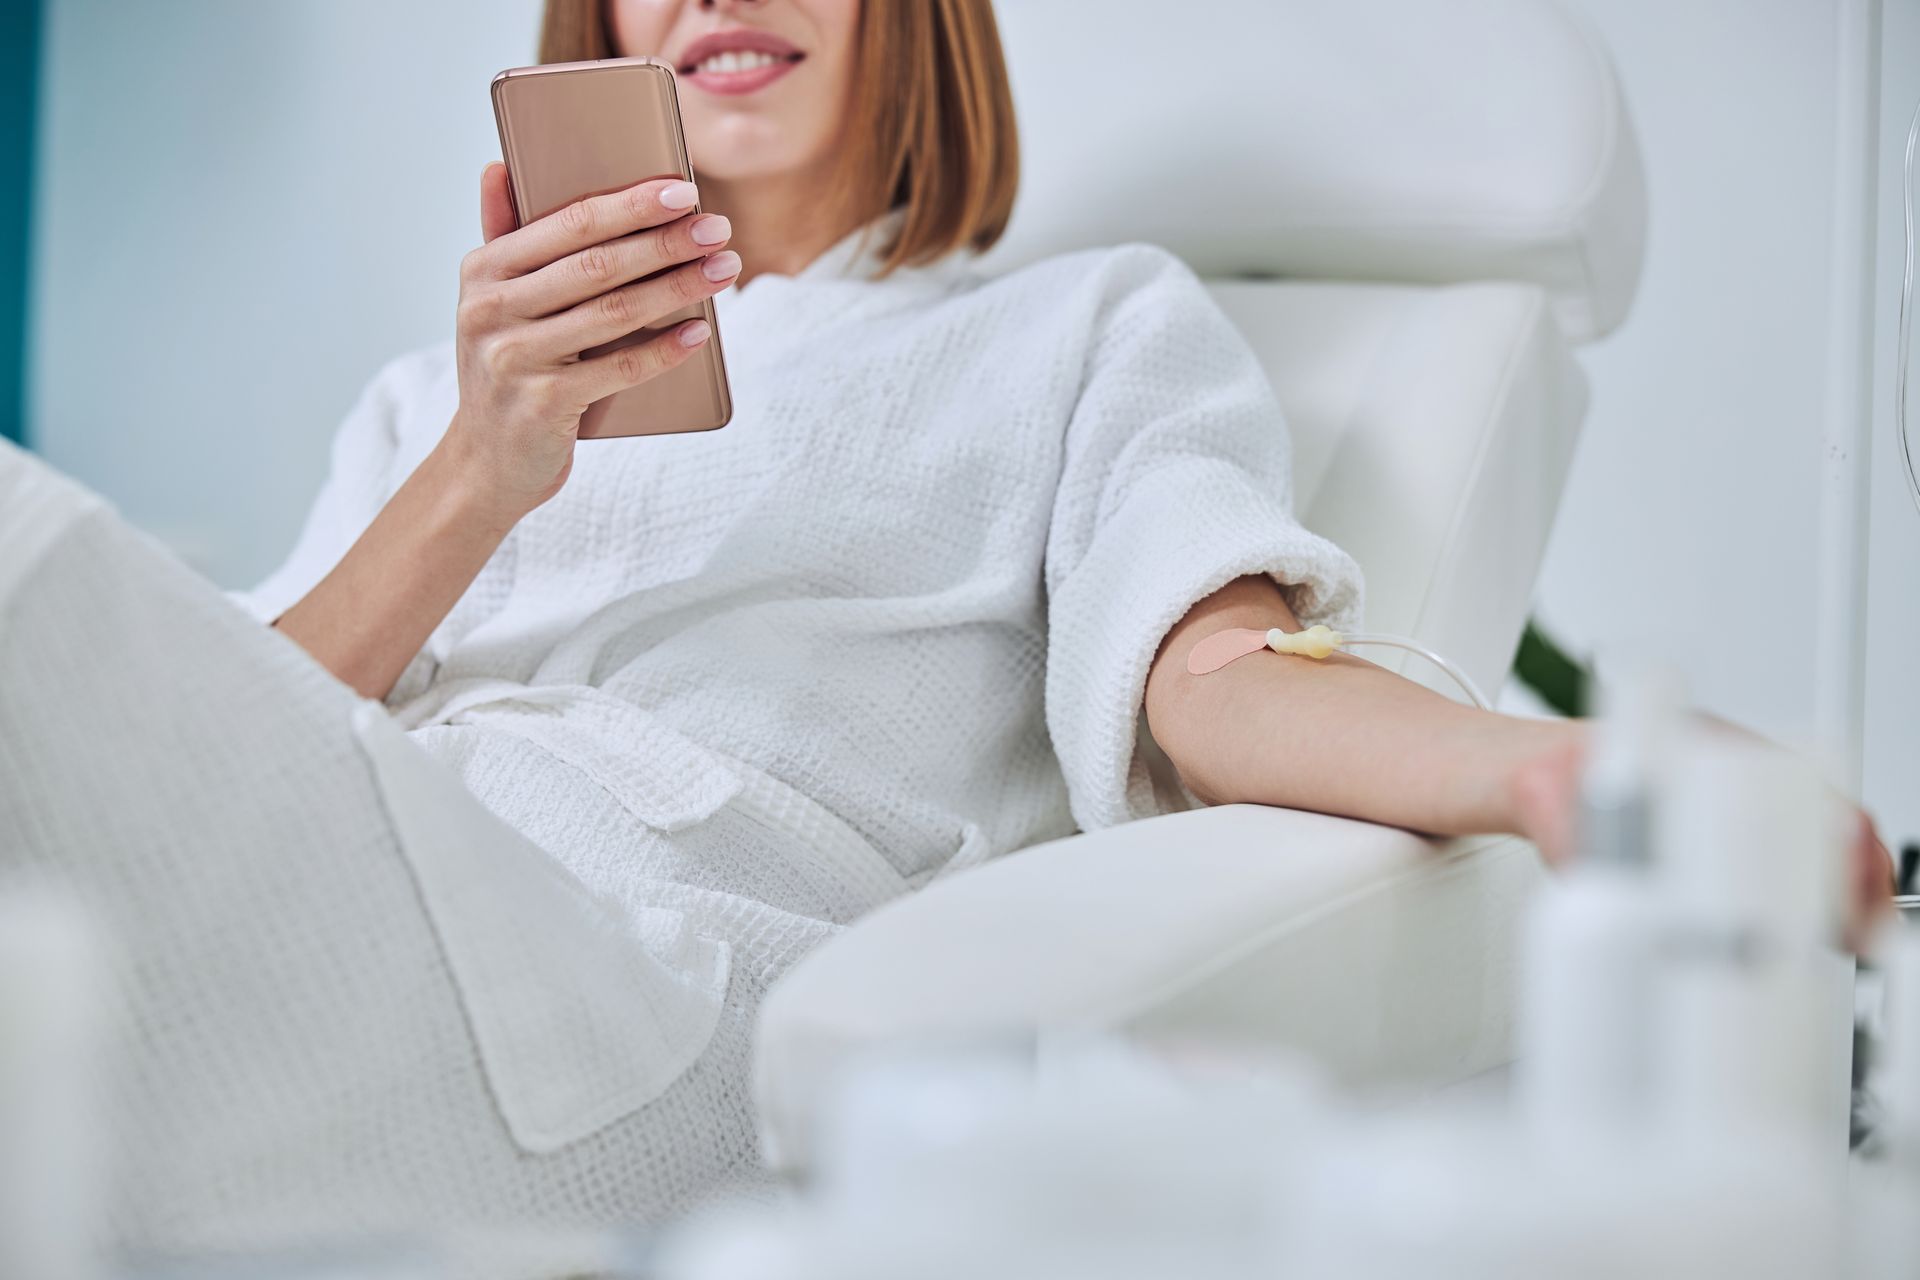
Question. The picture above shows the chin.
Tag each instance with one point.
(732, 166)
(740, 149)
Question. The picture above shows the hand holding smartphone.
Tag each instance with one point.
(612, 261)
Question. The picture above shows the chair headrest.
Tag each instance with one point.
(1399, 140)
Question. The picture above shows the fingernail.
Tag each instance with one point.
(711, 229)
(695, 332)
(724, 265)
(679, 195)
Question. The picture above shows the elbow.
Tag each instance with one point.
(1174, 723)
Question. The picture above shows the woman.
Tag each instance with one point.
(715, 695)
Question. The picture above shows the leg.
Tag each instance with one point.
(298, 1061)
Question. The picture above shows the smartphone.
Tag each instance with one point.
(576, 129)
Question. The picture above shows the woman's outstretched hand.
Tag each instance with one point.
(533, 298)
(1545, 792)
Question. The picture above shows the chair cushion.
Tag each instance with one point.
(1360, 140)
(1383, 956)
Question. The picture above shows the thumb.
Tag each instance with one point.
(496, 203)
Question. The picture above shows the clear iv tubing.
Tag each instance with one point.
(1459, 677)
(1903, 356)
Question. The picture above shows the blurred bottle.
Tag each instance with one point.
(1884, 1235)
(1750, 850)
(1901, 1078)
(52, 989)
(1586, 1032)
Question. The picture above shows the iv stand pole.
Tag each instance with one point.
(1840, 618)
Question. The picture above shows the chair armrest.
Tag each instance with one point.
(1383, 956)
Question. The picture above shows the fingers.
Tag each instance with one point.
(1870, 887)
(603, 375)
(1542, 793)
(585, 223)
(619, 312)
(598, 268)
(1876, 873)
(496, 203)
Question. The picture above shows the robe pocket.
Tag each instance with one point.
(582, 1012)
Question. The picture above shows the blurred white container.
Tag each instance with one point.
(1090, 1159)
(1885, 1235)
(1583, 1072)
(1750, 849)
(1466, 1197)
(52, 995)
(1593, 936)
(1900, 1071)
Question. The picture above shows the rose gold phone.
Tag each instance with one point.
(576, 129)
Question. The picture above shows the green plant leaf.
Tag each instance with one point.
(1561, 680)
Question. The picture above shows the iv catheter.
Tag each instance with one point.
(1315, 642)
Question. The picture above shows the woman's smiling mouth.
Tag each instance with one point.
(739, 61)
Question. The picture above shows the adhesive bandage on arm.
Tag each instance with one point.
(1316, 642)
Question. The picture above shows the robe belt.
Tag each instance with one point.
(658, 774)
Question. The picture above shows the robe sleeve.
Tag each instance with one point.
(1176, 480)
(365, 449)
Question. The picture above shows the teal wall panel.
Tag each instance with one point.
(19, 84)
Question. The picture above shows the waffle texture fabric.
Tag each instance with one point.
(491, 952)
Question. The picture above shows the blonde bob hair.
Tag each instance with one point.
(930, 129)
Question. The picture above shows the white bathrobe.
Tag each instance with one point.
(742, 686)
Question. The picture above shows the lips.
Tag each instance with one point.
(739, 61)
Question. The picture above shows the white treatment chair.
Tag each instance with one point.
(1413, 211)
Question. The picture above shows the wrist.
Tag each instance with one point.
(465, 496)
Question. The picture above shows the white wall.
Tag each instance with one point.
(1893, 589)
(245, 207)
(1692, 514)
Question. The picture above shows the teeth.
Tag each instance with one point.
(737, 60)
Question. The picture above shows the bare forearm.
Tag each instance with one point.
(367, 618)
(532, 300)
(1335, 736)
